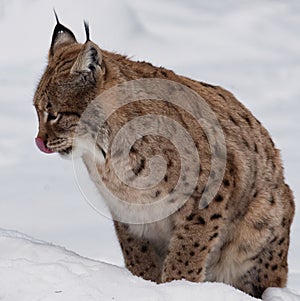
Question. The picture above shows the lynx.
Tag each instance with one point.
(240, 237)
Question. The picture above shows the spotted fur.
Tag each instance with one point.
(241, 238)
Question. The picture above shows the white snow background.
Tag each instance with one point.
(251, 48)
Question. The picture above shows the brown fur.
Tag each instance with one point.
(241, 237)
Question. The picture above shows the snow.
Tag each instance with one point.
(42, 271)
(251, 48)
(34, 270)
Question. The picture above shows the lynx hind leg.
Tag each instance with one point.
(266, 273)
(271, 268)
(140, 257)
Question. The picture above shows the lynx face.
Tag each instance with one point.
(70, 82)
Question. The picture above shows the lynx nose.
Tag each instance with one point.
(41, 145)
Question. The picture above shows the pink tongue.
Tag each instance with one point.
(41, 145)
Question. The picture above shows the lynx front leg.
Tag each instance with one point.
(189, 248)
(140, 256)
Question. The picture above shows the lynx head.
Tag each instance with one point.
(70, 82)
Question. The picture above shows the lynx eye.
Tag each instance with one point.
(52, 117)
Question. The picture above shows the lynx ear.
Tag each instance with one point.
(89, 59)
(61, 36)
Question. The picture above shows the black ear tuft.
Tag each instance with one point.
(87, 31)
(61, 35)
(56, 17)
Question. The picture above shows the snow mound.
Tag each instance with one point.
(43, 271)
(31, 269)
(278, 294)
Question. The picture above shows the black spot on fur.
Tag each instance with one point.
(201, 220)
(218, 198)
(133, 150)
(215, 216)
(140, 167)
(214, 236)
(281, 241)
(190, 217)
(164, 73)
(271, 200)
(192, 253)
(226, 182)
(196, 244)
(203, 248)
(169, 164)
(144, 249)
